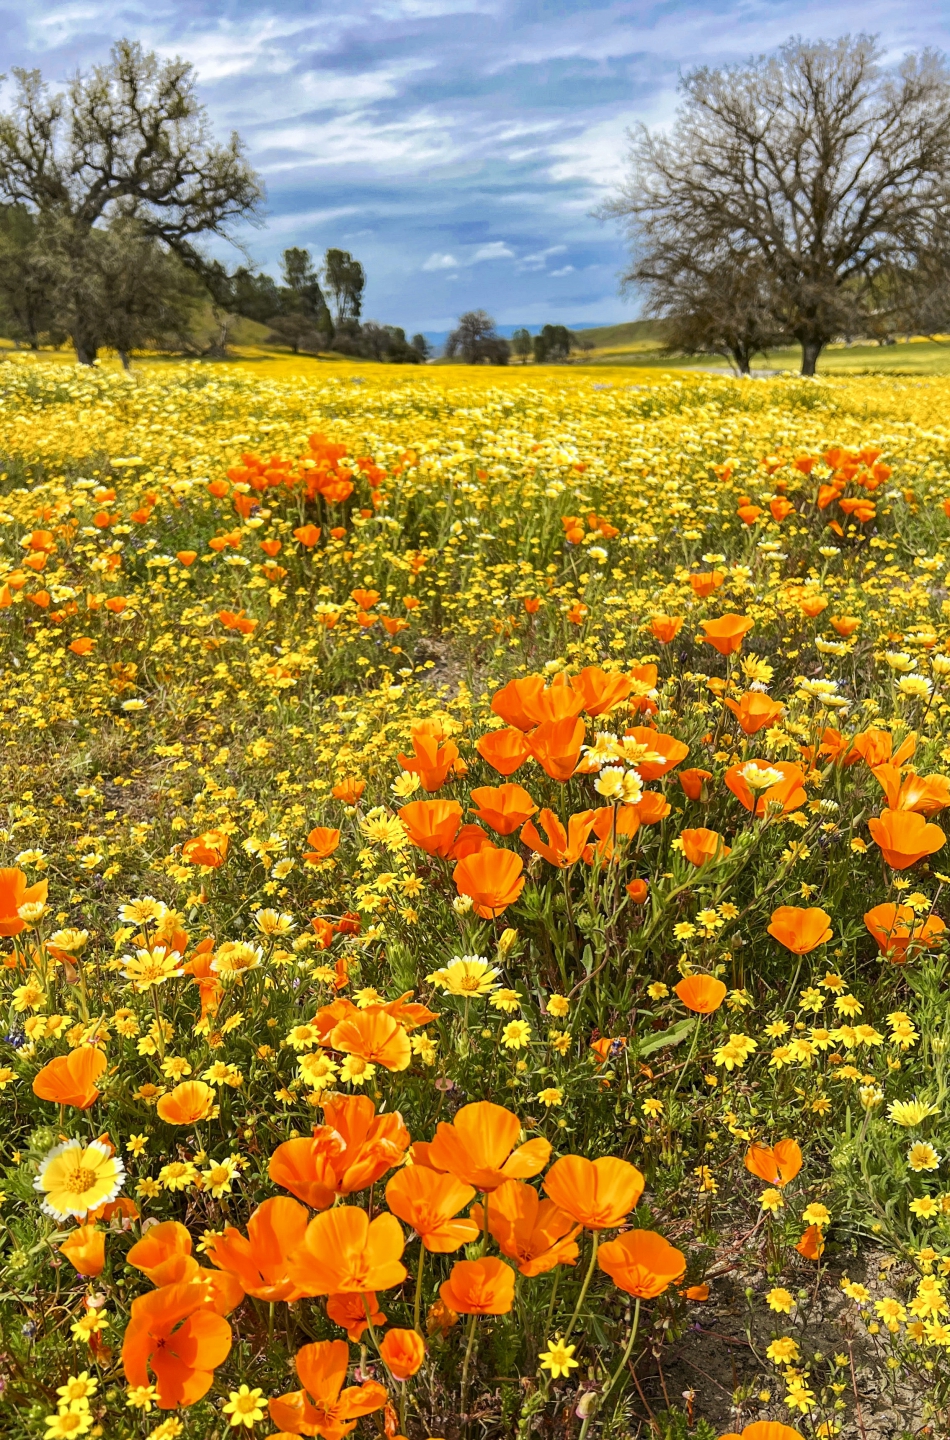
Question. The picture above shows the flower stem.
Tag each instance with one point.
(468, 1358)
(417, 1307)
(584, 1288)
(626, 1354)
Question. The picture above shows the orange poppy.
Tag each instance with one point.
(374, 1036)
(492, 878)
(601, 692)
(349, 791)
(652, 807)
(504, 750)
(692, 782)
(15, 892)
(669, 750)
(702, 846)
(704, 582)
(349, 1311)
(275, 1229)
(876, 747)
(351, 1151)
(904, 837)
(402, 1352)
(85, 1249)
(556, 745)
(323, 841)
(561, 700)
(799, 930)
(428, 1200)
(638, 890)
(70, 1079)
(432, 824)
(478, 1147)
(479, 1287)
(702, 994)
(789, 791)
(210, 848)
(564, 847)
(813, 605)
(323, 1406)
(812, 1243)
(535, 1233)
(754, 711)
(748, 514)
(344, 1250)
(513, 703)
(82, 644)
(164, 1254)
(727, 633)
(776, 1164)
(927, 794)
(644, 679)
(900, 933)
(174, 1336)
(189, 1102)
(430, 759)
(612, 823)
(845, 624)
(308, 535)
(697, 1293)
(598, 1194)
(642, 1263)
(666, 627)
(503, 807)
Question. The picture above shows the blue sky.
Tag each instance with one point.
(457, 147)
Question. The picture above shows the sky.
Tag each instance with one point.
(456, 147)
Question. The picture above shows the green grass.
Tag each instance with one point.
(916, 357)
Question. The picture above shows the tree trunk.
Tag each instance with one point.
(811, 349)
(86, 349)
(741, 359)
(124, 357)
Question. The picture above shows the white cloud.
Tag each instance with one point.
(440, 262)
(564, 270)
(496, 250)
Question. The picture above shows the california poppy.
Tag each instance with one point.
(351, 1151)
(432, 824)
(904, 837)
(15, 892)
(375, 1037)
(727, 633)
(601, 691)
(556, 745)
(800, 930)
(504, 750)
(754, 711)
(353, 1311)
(308, 535)
(85, 1249)
(349, 791)
(492, 878)
(428, 1200)
(598, 1194)
(479, 1287)
(535, 1233)
(876, 747)
(173, 1334)
(275, 1229)
(70, 1079)
(665, 751)
(323, 841)
(210, 848)
(784, 785)
(323, 1406)
(776, 1164)
(927, 794)
(511, 703)
(704, 582)
(478, 1147)
(692, 782)
(642, 1263)
(703, 994)
(812, 1244)
(503, 807)
(563, 848)
(666, 627)
(702, 846)
(164, 1254)
(188, 1103)
(899, 931)
(430, 759)
(402, 1352)
(559, 701)
(344, 1250)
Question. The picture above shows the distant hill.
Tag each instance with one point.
(632, 334)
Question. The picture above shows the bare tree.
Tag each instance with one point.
(816, 165)
(476, 340)
(721, 307)
(127, 139)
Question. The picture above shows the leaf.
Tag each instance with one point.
(674, 1035)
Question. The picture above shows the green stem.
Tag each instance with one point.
(417, 1307)
(584, 1288)
(626, 1354)
(468, 1358)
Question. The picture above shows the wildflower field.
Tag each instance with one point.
(473, 960)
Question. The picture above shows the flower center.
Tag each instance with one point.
(80, 1179)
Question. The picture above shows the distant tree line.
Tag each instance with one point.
(801, 198)
(476, 341)
(104, 193)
